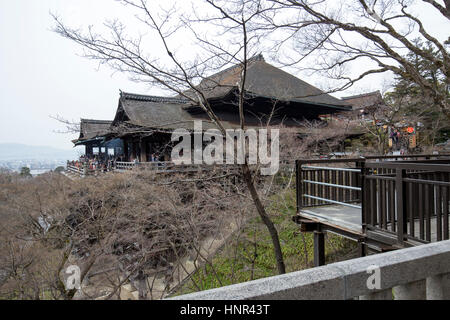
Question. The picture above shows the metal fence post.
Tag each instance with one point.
(361, 182)
(298, 178)
(401, 205)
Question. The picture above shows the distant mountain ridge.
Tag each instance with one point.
(16, 151)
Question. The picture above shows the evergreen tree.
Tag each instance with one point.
(25, 172)
(414, 105)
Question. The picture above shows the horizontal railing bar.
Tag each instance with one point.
(301, 162)
(393, 233)
(332, 185)
(364, 158)
(331, 168)
(392, 175)
(332, 201)
(407, 156)
(408, 166)
(375, 177)
(441, 183)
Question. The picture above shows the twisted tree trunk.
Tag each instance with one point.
(265, 218)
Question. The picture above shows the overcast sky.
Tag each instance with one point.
(42, 75)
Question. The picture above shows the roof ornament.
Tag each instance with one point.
(258, 57)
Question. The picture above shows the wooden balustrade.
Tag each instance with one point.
(408, 199)
(411, 199)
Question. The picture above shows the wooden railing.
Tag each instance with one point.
(321, 182)
(83, 170)
(409, 199)
(75, 169)
(166, 166)
(123, 166)
(407, 196)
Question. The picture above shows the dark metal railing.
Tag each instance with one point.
(412, 200)
(407, 196)
(321, 182)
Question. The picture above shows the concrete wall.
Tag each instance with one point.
(413, 273)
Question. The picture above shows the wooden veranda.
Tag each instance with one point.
(383, 203)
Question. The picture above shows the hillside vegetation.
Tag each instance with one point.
(248, 255)
(137, 229)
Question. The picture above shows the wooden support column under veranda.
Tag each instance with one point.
(319, 248)
(362, 249)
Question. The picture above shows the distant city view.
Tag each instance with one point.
(36, 166)
(38, 159)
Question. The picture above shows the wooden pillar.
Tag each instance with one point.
(362, 249)
(402, 222)
(125, 150)
(319, 248)
(133, 151)
(143, 153)
(88, 150)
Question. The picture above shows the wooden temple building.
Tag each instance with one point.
(142, 127)
(93, 135)
(362, 102)
(144, 123)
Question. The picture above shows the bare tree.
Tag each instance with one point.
(335, 37)
(70, 126)
(232, 43)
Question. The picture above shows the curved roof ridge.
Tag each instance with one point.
(151, 98)
(95, 120)
(362, 95)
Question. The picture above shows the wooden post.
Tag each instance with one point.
(88, 151)
(298, 176)
(401, 205)
(143, 153)
(361, 178)
(362, 247)
(319, 248)
(133, 150)
(125, 150)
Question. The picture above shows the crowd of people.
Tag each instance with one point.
(395, 136)
(95, 162)
(106, 163)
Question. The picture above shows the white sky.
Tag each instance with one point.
(42, 75)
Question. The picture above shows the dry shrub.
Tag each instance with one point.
(125, 224)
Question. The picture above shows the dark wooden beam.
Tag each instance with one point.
(319, 248)
(362, 248)
(306, 225)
